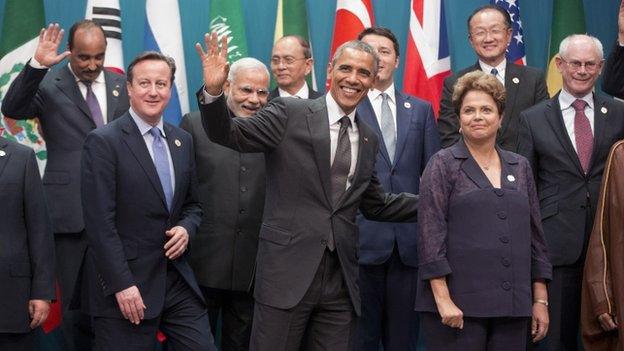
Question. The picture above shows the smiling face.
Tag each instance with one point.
(289, 65)
(579, 81)
(388, 59)
(489, 36)
(352, 75)
(150, 89)
(479, 117)
(247, 92)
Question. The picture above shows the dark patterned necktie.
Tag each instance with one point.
(582, 134)
(94, 105)
(340, 168)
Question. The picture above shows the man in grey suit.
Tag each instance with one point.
(291, 62)
(320, 164)
(70, 102)
(490, 33)
(231, 191)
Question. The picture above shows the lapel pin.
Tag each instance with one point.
(115, 93)
(407, 105)
(2, 153)
(603, 110)
(177, 142)
(515, 80)
(365, 139)
(511, 178)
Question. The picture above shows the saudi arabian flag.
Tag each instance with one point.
(568, 18)
(23, 19)
(226, 18)
(292, 19)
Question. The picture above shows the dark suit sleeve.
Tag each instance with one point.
(431, 140)
(540, 265)
(22, 100)
(541, 90)
(379, 206)
(260, 133)
(186, 124)
(40, 237)
(613, 74)
(99, 207)
(525, 143)
(448, 121)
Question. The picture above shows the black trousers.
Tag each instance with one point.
(17, 341)
(388, 292)
(184, 320)
(324, 319)
(236, 308)
(478, 334)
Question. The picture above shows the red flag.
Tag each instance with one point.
(427, 62)
(352, 17)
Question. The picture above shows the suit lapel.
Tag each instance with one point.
(4, 159)
(318, 125)
(601, 113)
(66, 82)
(113, 89)
(135, 142)
(175, 149)
(513, 78)
(367, 114)
(470, 166)
(555, 119)
(403, 114)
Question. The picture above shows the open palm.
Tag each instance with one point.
(214, 62)
(47, 49)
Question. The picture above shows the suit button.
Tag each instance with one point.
(243, 169)
(241, 211)
(239, 231)
(502, 214)
(504, 239)
(499, 192)
(243, 189)
(393, 172)
(324, 242)
(506, 262)
(506, 285)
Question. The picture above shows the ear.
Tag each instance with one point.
(226, 87)
(329, 68)
(559, 63)
(309, 65)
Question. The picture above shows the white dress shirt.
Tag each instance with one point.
(500, 68)
(144, 129)
(303, 93)
(375, 98)
(335, 113)
(567, 111)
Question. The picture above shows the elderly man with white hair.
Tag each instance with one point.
(567, 140)
(231, 190)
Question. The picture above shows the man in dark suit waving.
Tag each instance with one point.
(490, 30)
(320, 165)
(70, 102)
(139, 192)
(567, 139)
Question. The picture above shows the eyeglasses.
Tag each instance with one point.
(480, 34)
(247, 90)
(590, 66)
(287, 60)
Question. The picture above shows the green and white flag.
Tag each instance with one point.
(23, 19)
(226, 18)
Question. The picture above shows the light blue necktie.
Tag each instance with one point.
(161, 161)
(388, 130)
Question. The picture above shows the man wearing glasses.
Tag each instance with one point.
(489, 29)
(291, 62)
(231, 191)
(567, 139)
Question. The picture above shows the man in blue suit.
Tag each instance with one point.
(141, 207)
(388, 262)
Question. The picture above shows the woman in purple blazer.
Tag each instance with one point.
(481, 250)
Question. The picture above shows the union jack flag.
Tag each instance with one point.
(515, 50)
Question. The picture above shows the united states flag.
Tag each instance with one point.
(515, 51)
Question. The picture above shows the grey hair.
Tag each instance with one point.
(244, 64)
(565, 44)
(359, 46)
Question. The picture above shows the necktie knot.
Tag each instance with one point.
(579, 105)
(384, 97)
(155, 132)
(494, 72)
(345, 122)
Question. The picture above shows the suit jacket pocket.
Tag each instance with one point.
(52, 177)
(20, 269)
(275, 235)
(548, 191)
(549, 210)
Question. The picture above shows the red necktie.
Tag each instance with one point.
(582, 134)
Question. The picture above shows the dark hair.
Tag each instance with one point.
(381, 31)
(307, 52)
(86, 25)
(497, 8)
(151, 55)
(357, 45)
(479, 81)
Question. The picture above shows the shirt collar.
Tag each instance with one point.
(335, 113)
(500, 68)
(145, 127)
(566, 99)
(376, 94)
(303, 93)
(98, 79)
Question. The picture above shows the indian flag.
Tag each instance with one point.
(23, 19)
(568, 18)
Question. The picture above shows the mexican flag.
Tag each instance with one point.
(226, 18)
(23, 19)
(292, 19)
(568, 18)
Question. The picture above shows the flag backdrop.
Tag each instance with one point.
(515, 51)
(108, 15)
(226, 18)
(163, 33)
(568, 18)
(352, 17)
(292, 19)
(427, 60)
(23, 19)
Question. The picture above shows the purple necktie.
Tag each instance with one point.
(582, 134)
(94, 105)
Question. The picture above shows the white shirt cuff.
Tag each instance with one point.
(207, 98)
(35, 64)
